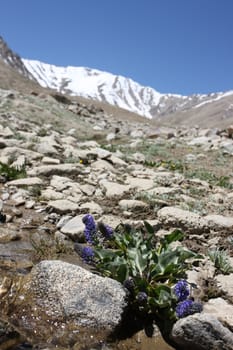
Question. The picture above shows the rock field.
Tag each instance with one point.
(70, 159)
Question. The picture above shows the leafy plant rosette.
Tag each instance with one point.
(150, 267)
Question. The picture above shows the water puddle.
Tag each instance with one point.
(139, 342)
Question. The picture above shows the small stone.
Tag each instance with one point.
(19, 201)
(102, 165)
(74, 229)
(30, 204)
(7, 235)
(220, 309)
(87, 189)
(63, 221)
(117, 161)
(92, 207)
(5, 196)
(60, 183)
(113, 189)
(225, 283)
(111, 136)
(58, 169)
(140, 184)
(50, 194)
(219, 222)
(63, 206)
(131, 204)
(49, 160)
(29, 181)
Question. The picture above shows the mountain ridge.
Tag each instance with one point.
(13, 60)
(121, 92)
(115, 89)
(99, 85)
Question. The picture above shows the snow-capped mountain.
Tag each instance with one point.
(92, 83)
(114, 89)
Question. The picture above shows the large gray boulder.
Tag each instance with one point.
(201, 332)
(61, 303)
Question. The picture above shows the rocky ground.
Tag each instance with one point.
(67, 159)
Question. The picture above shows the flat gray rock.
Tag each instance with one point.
(28, 181)
(63, 206)
(218, 222)
(220, 309)
(60, 183)
(140, 184)
(201, 332)
(113, 188)
(130, 204)
(57, 169)
(184, 219)
(74, 228)
(92, 207)
(50, 194)
(225, 282)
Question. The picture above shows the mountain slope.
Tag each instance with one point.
(116, 90)
(13, 60)
(95, 84)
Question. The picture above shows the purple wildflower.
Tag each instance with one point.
(88, 255)
(196, 307)
(183, 308)
(90, 228)
(106, 230)
(129, 284)
(181, 290)
(188, 307)
(142, 298)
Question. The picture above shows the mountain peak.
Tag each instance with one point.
(12, 59)
(95, 84)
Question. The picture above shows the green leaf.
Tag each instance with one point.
(137, 261)
(164, 299)
(167, 258)
(149, 228)
(161, 296)
(107, 254)
(185, 254)
(122, 273)
(174, 236)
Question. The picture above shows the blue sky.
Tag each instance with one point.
(177, 46)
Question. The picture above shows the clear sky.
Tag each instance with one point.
(177, 46)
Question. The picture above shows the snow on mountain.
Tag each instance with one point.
(115, 90)
(92, 83)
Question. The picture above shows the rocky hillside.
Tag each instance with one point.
(61, 160)
(13, 60)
